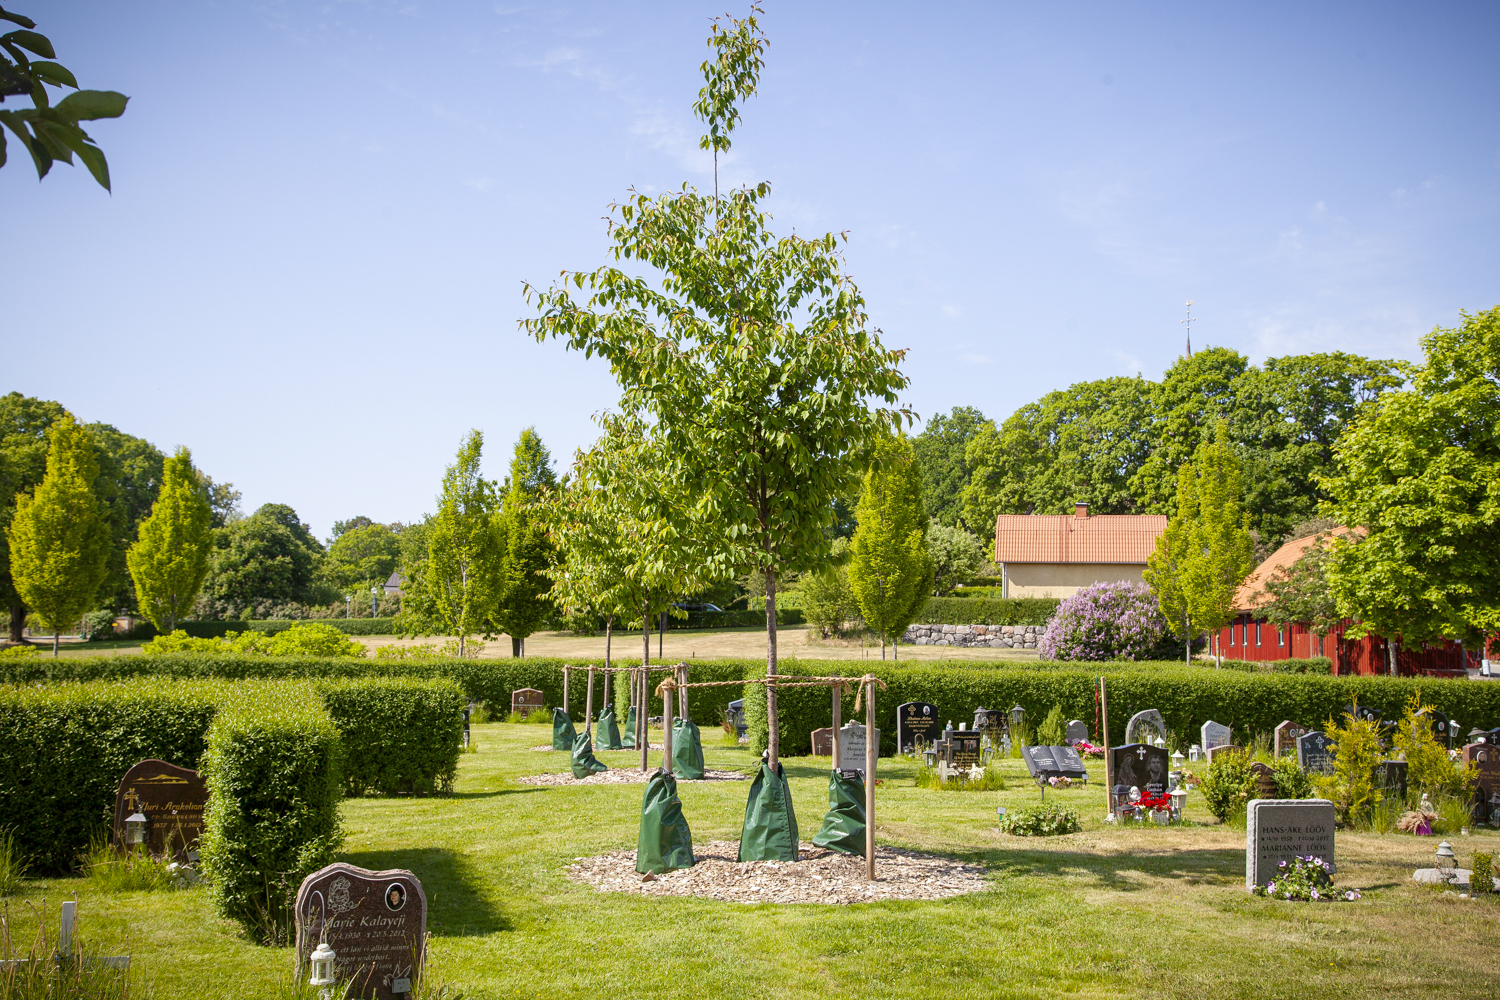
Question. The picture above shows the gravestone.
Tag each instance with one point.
(525, 701)
(1313, 753)
(1226, 748)
(1149, 719)
(1078, 731)
(1265, 780)
(1485, 757)
(1214, 734)
(822, 742)
(1055, 761)
(172, 800)
(852, 747)
(964, 748)
(376, 924)
(1362, 713)
(916, 724)
(1391, 776)
(1142, 766)
(991, 720)
(1287, 735)
(1442, 729)
(1278, 830)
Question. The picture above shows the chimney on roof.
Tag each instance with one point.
(1080, 509)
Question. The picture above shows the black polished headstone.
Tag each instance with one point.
(964, 748)
(1363, 714)
(916, 724)
(1391, 776)
(991, 720)
(1142, 766)
(1313, 753)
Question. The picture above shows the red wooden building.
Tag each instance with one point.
(1250, 637)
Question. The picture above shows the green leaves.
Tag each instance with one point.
(731, 76)
(890, 571)
(50, 133)
(169, 561)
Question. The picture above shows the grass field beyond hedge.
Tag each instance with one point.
(1104, 913)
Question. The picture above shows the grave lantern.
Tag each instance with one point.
(1161, 742)
(1179, 799)
(135, 829)
(1177, 759)
(930, 757)
(1446, 861)
(1195, 752)
(322, 960)
(1017, 717)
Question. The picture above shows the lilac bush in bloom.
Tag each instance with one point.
(1108, 621)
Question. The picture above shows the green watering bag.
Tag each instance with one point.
(665, 842)
(844, 824)
(584, 761)
(770, 831)
(608, 731)
(687, 749)
(563, 733)
(627, 738)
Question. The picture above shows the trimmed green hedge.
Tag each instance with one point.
(219, 629)
(987, 611)
(1312, 665)
(402, 735)
(1249, 703)
(65, 747)
(736, 619)
(274, 768)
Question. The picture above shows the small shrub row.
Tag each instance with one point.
(739, 619)
(270, 626)
(1312, 665)
(1041, 821)
(987, 611)
(401, 735)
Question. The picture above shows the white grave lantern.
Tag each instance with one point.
(1447, 862)
(1195, 753)
(322, 960)
(1179, 799)
(135, 829)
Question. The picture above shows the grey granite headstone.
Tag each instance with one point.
(375, 922)
(1313, 753)
(1214, 734)
(852, 747)
(1278, 830)
(1150, 718)
(1078, 730)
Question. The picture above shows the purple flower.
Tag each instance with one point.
(1315, 894)
(1105, 621)
(1270, 886)
(1281, 864)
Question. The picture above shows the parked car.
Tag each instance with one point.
(697, 607)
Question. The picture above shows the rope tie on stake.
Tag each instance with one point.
(859, 692)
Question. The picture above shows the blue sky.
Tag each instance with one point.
(310, 269)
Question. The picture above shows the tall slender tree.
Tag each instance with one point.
(890, 571)
(465, 556)
(59, 537)
(523, 605)
(751, 356)
(170, 559)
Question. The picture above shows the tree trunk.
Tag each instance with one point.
(661, 634)
(882, 645)
(896, 648)
(54, 644)
(609, 627)
(517, 648)
(17, 621)
(1390, 656)
(1187, 643)
(773, 724)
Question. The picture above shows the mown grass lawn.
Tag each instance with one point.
(1102, 913)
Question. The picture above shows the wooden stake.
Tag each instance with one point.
(565, 690)
(666, 736)
(641, 680)
(588, 706)
(682, 694)
(838, 718)
(872, 751)
(1109, 782)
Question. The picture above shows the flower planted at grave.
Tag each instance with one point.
(1305, 880)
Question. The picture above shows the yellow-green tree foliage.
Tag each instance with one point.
(889, 568)
(1356, 751)
(465, 555)
(59, 536)
(1428, 766)
(1206, 551)
(170, 558)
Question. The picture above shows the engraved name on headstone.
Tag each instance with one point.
(172, 799)
(822, 742)
(965, 749)
(1278, 830)
(376, 924)
(916, 725)
(525, 701)
(1140, 765)
(1145, 727)
(1313, 753)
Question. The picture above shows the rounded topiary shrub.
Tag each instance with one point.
(1109, 621)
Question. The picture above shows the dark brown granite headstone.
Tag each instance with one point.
(822, 742)
(376, 926)
(525, 701)
(1265, 780)
(1485, 757)
(172, 799)
(1287, 735)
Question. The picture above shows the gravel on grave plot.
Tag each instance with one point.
(622, 776)
(821, 876)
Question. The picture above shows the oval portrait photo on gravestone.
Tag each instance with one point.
(395, 896)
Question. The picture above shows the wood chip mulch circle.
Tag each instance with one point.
(821, 876)
(623, 776)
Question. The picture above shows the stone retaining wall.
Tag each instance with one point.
(998, 636)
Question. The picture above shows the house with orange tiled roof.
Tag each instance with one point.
(1251, 637)
(1056, 555)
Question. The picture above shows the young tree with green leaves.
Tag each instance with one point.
(1206, 552)
(955, 554)
(890, 572)
(59, 537)
(751, 355)
(1420, 473)
(523, 605)
(50, 133)
(465, 555)
(361, 556)
(170, 559)
(24, 424)
(940, 450)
